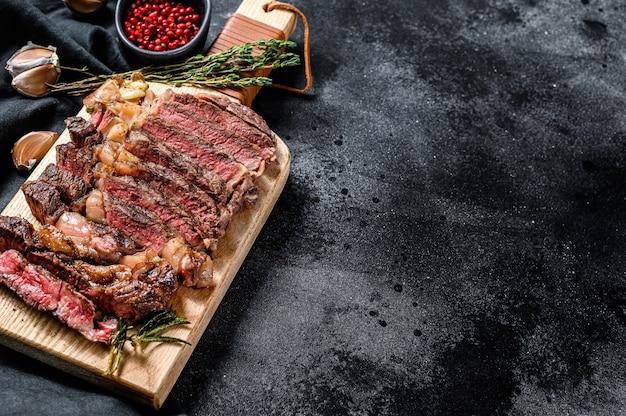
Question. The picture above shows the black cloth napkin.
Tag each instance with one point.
(80, 41)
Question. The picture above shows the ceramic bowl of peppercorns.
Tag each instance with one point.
(160, 31)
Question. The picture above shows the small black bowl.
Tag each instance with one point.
(145, 57)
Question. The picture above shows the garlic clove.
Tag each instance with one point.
(85, 6)
(31, 56)
(34, 82)
(130, 93)
(32, 52)
(31, 148)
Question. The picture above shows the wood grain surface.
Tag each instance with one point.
(147, 373)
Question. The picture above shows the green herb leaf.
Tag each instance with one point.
(221, 70)
(150, 331)
(117, 346)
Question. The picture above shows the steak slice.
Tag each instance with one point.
(79, 161)
(142, 225)
(82, 132)
(241, 111)
(44, 291)
(44, 201)
(195, 268)
(228, 141)
(140, 194)
(208, 109)
(130, 293)
(223, 164)
(72, 189)
(16, 233)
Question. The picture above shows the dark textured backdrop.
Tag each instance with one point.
(451, 238)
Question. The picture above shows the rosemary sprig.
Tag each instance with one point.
(117, 346)
(149, 332)
(229, 68)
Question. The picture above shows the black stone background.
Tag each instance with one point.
(450, 240)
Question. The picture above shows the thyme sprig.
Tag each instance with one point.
(150, 331)
(230, 68)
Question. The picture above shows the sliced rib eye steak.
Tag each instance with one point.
(79, 161)
(44, 201)
(16, 233)
(72, 189)
(225, 140)
(207, 108)
(130, 293)
(134, 206)
(140, 194)
(44, 291)
(82, 132)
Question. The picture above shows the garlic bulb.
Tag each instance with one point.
(33, 68)
(31, 148)
(85, 6)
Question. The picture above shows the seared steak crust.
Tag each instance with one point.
(79, 161)
(72, 189)
(16, 233)
(82, 132)
(44, 201)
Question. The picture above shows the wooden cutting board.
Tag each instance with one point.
(148, 373)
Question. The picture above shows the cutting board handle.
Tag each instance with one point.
(259, 20)
(277, 5)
